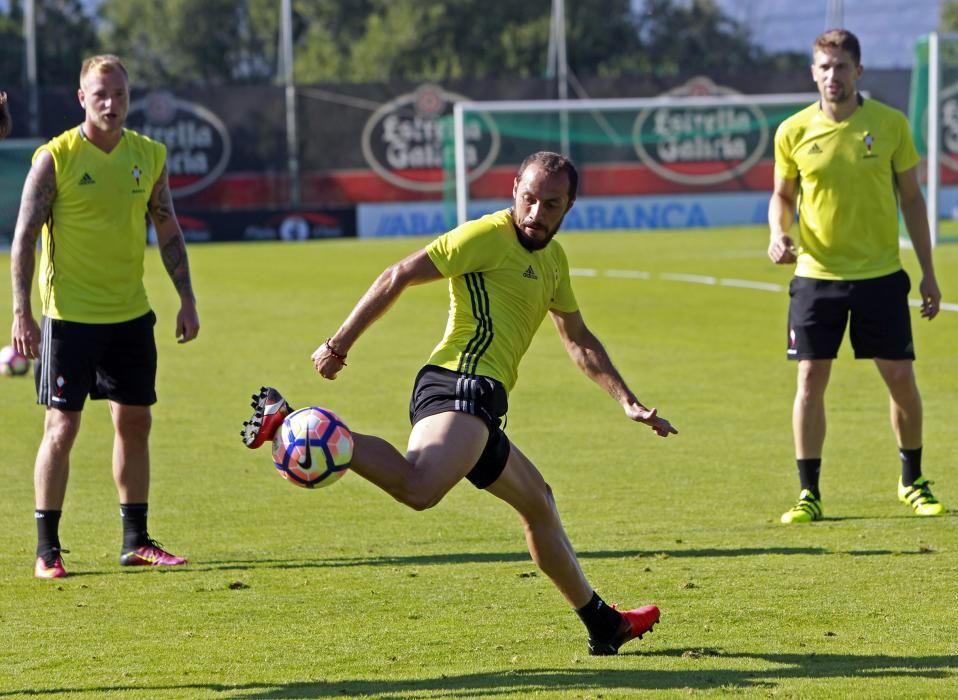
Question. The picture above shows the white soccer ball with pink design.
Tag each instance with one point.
(312, 448)
(12, 363)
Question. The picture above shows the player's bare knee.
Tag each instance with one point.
(540, 505)
(900, 377)
(60, 430)
(133, 424)
(420, 500)
(812, 378)
(548, 497)
(419, 503)
(420, 494)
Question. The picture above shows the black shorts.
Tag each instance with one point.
(880, 324)
(439, 390)
(115, 361)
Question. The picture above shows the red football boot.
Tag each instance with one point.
(635, 623)
(269, 411)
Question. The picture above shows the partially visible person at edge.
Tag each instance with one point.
(86, 195)
(505, 272)
(6, 123)
(847, 163)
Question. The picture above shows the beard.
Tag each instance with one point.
(533, 244)
(840, 95)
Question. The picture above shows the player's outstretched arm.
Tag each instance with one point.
(169, 237)
(915, 213)
(36, 204)
(330, 357)
(781, 215)
(590, 356)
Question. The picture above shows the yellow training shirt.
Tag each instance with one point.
(499, 294)
(91, 266)
(848, 205)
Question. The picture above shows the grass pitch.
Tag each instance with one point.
(344, 593)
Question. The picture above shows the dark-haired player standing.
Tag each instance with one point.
(847, 164)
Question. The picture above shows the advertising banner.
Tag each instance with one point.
(205, 226)
(385, 142)
(948, 105)
(588, 214)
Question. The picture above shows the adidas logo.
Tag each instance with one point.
(814, 150)
(530, 274)
(87, 180)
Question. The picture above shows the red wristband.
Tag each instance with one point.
(341, 358)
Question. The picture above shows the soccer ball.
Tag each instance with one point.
(312, 448)
(13, 363)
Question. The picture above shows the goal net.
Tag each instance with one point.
(662, 162)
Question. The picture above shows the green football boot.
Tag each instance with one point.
(806, 510)
(920, 497)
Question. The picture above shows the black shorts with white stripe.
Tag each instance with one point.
(115, 361)
(439, 390)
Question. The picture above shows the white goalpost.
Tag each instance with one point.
(934, 135)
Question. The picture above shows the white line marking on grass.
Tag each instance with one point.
(751, 253)
(749, 284)
(679, 277)
(943, 307)
(628, 274)
(705, 279)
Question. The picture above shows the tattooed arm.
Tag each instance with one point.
(169, 236)
(36, 204)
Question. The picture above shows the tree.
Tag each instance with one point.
(65, 36)
(12, 70)
(949, 16)
(414, 40)
(237, 41)
(190, 41)
(676, 37)
(426, 40)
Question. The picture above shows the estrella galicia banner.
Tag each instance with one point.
(198, 144)
(386, 142)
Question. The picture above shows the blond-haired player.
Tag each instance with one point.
(86, 197)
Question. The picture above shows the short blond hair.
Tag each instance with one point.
(104, 63)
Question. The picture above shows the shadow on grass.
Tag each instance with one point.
(525, 682)
(901, 516)
(519, 557)
(523, 557)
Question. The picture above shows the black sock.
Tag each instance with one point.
(910, 465)
(134, 525)
(601, 620)
(48, 534)
(808, 471)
